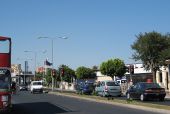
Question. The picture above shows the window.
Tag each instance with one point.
(4, 79)
(4, 46)
(112, 84)
(160, 76)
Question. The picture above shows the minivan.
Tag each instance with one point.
(36, 86)
(108, 88)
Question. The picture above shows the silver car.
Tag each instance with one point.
(108, 88)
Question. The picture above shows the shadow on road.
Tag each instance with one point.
(37, 108)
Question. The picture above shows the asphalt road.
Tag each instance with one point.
(26, 103)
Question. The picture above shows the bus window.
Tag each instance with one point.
(4, 46)
(5, 52)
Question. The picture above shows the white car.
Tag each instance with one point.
(36, 86)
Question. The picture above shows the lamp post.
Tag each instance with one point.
(35, 57)
(52, 39)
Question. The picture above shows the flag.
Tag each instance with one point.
(46, 62)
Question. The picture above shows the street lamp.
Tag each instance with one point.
(52, 39)
(35, 55)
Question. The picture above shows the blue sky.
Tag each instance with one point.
(97, 30)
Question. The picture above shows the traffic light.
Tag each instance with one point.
(131, 69)
(53, 72)
(62, 71)
(127, 68)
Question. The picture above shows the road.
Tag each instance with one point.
(26, 103)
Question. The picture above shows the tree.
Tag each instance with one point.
(68, 73)
(39, 76)
(152, 49)
(95, 68)
(84, 73)
(113, 67)
(48, 76)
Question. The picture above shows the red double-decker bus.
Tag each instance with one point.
(5, 74)
(5, 52)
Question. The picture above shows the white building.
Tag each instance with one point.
(101, 77)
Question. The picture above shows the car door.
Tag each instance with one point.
(138, 91)
(101, 88)
(132, 91)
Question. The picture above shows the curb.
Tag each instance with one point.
(164, 111)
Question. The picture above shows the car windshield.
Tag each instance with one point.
(150, 85)
(37, 83)
(112, 84)
(4, 79)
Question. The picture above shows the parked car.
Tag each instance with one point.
(23, 87)
(145, 91)
(84, 88)
(36, 86)
(108, 88)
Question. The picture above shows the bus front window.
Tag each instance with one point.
(4, 79)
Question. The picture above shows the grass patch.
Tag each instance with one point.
(117, 100)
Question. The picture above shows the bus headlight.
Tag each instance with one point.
(4, 98)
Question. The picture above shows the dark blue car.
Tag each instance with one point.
(85, 88)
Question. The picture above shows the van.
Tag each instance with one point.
(108, 88)
(36, 86)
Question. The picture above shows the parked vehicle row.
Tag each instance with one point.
(103, 88)
(141, 90)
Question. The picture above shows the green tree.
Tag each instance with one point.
(38, 76)
(48, 76)
(84, 73)
(113, 67)
(152, 49)
(68, 73)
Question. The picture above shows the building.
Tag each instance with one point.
(101, 77)
(20, 76)
(15, 70)
(163, 77)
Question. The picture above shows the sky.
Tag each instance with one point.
(97, 30)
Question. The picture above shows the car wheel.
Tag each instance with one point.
(142, 97)
(128, 96)
(161, 99)
(82, 92)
